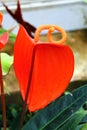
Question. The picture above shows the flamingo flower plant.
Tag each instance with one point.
(44, 70)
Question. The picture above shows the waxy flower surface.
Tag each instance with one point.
(44, 70)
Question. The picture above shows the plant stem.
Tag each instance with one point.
(22, 116)
(2, 97)
(28, 88)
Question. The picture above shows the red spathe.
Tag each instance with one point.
(45, 68)
(3, 40)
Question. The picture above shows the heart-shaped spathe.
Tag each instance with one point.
(43, 69)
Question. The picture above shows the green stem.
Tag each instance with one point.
(2, 97)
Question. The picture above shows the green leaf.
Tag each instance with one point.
(2, 31)
(58, 112)
(84, 119)
(16, 122)
(79, 126)
(6, 62)
(85, 1)
(72, 123)
(84, 127)
(67, 92)
(12, 36)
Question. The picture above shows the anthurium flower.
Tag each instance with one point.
(3, 40)
(43, 69)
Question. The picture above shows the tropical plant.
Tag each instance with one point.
(44, 71)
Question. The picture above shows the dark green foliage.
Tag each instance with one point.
(65, 113)
(60, 111)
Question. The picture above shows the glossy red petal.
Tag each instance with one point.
(53, 69)
(23, 51)
(45, 68)
(4, 40)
